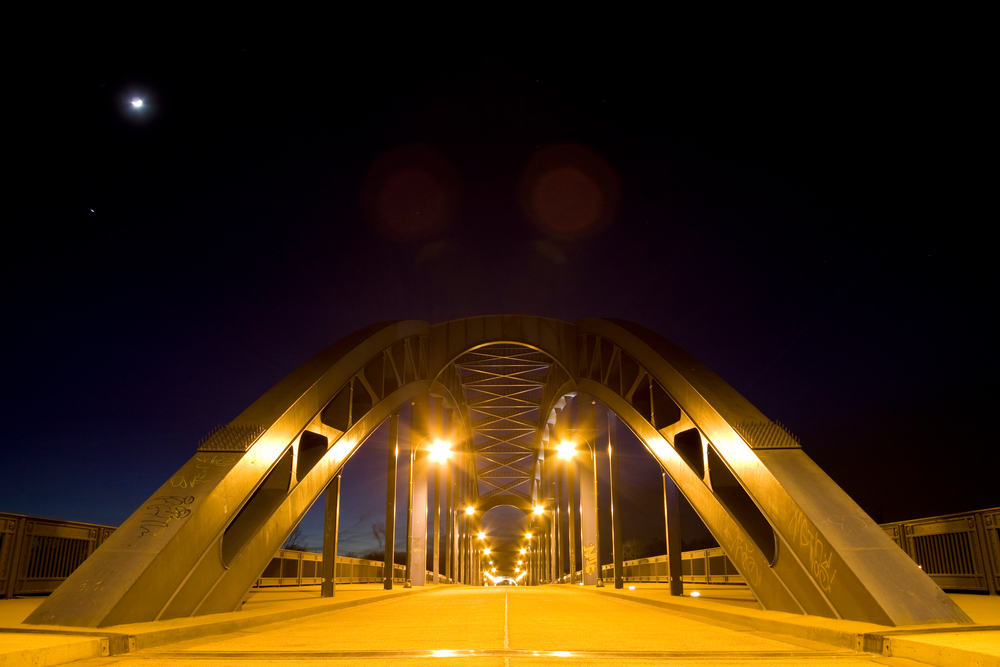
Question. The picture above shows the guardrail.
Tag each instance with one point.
(305, 568)
(36, 554)
(958, 551)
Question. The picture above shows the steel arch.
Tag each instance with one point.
(797, 538)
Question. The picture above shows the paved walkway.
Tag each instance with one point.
(512, 626)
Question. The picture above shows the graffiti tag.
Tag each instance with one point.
(590, 558)
(203, 464)
(745, 554)
(161, 511)
(820, 555)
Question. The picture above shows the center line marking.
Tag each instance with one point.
(505, 620)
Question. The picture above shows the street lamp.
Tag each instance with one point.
(566, 450)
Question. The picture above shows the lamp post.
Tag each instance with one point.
(566, 450)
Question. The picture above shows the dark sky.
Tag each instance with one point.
(810, 222)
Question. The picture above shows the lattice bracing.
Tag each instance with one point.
(503, 389)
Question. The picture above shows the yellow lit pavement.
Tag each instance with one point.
(497, 626)
(548, 625)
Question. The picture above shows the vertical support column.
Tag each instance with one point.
(390, 501)
(588, 515)
(672, 517)
(331, 524)
(454, 529)
(559, 530)
(571, 511)
(410, 450)
(616, 529)
(449, 524)
(418, 536)
(437, 524)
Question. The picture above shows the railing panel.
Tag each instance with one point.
(950, 550)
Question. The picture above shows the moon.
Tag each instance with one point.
(136, 102)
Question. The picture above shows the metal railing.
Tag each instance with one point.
(36, 554)
(305, 568)
(958, 551)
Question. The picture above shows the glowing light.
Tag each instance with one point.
(524, 551)
(440, 450)
(631, 588)
(481, 535)
(470, 510)
(562, 654)
(136, 102)
(443, 653)
(528, 535)
(695, 594)
(566, 450)
(539, 509)
(486, 551)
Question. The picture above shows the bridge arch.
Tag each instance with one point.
(201, 540)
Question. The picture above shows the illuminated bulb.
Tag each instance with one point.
(524, 551)
(631, 588)
(566, 450)
(481, 535)
(695, 594)
(470, 510)
(539, 509)
(440, 450)
(528, 535)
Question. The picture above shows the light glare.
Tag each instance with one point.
(566, 450)
(440, 450)
(136, 102)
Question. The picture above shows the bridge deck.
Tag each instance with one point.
(505, 626)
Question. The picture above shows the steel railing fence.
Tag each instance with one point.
(36, 554)
(958, 551)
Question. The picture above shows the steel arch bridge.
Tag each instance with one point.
(498, 384)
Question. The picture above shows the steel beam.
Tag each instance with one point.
(672, 524)
(331, 527)
(390, 501)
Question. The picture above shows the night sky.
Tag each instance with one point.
(810, 222)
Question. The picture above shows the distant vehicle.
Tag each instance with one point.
(505, 581)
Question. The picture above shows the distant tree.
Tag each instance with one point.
(296, 540)
(379, 530)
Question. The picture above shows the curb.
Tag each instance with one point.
(129, 638)
(863, 637)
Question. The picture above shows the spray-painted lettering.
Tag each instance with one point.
(812, 545)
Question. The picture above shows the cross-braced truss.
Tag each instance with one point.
(503, 388)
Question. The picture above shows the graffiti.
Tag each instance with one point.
(744, 556)
(203, 464)
(161, 511)
(590, 558)
(848, 523)
(820, 555)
